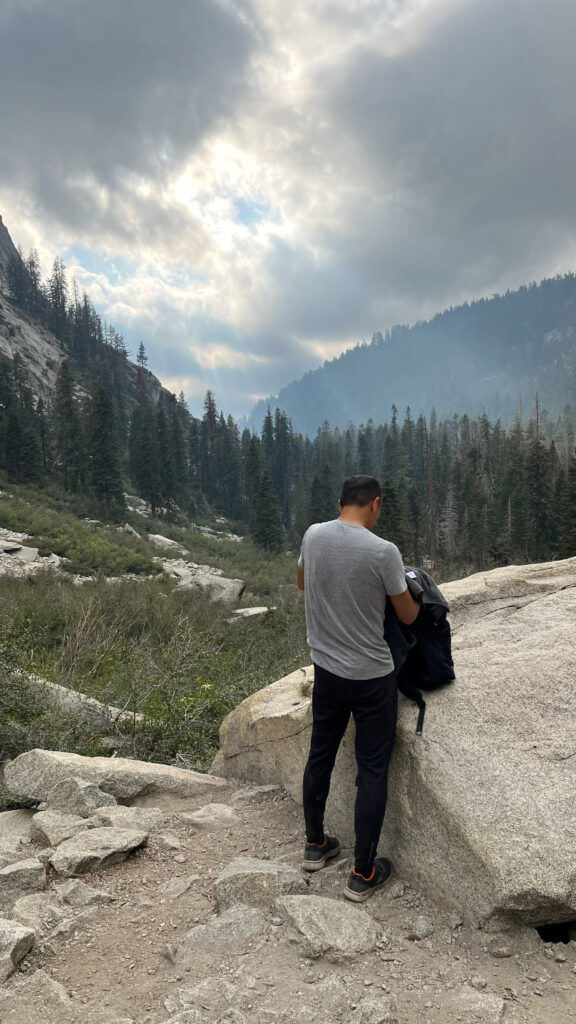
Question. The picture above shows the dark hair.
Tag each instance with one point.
(360, 490)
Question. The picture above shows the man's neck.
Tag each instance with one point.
(354, 515)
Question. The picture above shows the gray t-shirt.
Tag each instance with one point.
(348, 572)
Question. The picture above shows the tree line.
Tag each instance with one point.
(462, 490)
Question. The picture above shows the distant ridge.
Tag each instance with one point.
(490, 355)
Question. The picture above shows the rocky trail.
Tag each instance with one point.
(210, 918)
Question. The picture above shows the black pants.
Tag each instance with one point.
(373, 703)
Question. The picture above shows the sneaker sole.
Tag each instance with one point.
(316, 865)
(361, 897)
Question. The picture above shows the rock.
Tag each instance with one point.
(78, 704)
(215, 994)
(231, 930)
(422, 928)
(250, 613)
(130, 530)
(326, 927)
(20, 879)
(15, 942)
(396, 890)
(34, 774)
(129, 817)
(79, 895)
(211, 817)
(218, 588)
(256, 883)
(36, 912)
(176, 887)
(166, 542)
(77, 796)
(40, 987)
(95, 849)
(470, 1005)
(14, 834)
(501, 952)
(372, 1011)
(50, 828)
(168, 841)
(478, 983)
(494, 845)
(255, 794)
(187, 1017)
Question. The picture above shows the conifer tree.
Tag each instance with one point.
(69, 453)
(265, 523)
(104, 461)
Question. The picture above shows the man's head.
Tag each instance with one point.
(361, 497)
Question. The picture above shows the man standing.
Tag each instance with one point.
(346, 573)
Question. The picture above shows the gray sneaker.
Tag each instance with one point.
(316, 855)
(358, 888)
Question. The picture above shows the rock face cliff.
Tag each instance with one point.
(482, 808)
(8, 250)
(40, 350)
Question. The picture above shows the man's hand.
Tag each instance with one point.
(405, 606)
(300, 579)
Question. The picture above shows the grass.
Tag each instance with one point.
(143, 646)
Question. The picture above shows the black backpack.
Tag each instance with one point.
(422, 652)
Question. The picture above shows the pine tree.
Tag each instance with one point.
(265, 523)
(104, 461)
(69, 453)
(567, 524)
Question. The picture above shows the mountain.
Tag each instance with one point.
(42, 350)
(489, 356)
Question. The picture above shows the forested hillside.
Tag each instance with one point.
(465, 491)
(489, 356)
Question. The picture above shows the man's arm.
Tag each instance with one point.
(300, 578)
(404, 605)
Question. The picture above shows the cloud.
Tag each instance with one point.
(252, 187)
(92, 95)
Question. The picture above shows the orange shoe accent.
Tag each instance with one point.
(319, 845)
(359, 875)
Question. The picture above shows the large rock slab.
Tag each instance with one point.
(20, 879)
(15, 942)
(97, 848)
(481, 808)
(34, 774)
(329, 928)
(256, 883)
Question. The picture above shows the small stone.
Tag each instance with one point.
(168, 841)
(478, 983)
(179, 858)
(560, 958)
(254, 794)
(422, 928)
(175, 887)
(396, 890)
(500, 952)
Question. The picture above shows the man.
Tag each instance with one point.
(346, 573)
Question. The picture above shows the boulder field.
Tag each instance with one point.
(482, 807)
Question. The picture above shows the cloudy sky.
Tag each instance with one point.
(251, 186)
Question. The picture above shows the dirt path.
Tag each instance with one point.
(127, 962)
